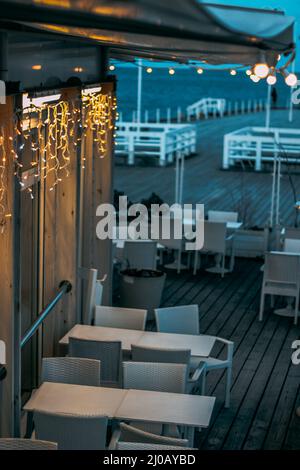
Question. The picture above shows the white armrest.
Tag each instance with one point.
(198, 372)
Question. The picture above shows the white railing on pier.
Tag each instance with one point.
(256, 145)
(164, 142)
(206, 107)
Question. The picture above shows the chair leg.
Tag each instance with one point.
(179, 262)
(223, 266)
(203, 383)
(196, 262)
(272, 301)
(262, 305)
(296, 309)
(228, 387)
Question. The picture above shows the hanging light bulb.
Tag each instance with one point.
(171, 71)
(248, 72)
(254, 78)
(149, 70)
(291, 79)
(233, 72)
(200, 70)
(271, 80)
(112, 67)
(261, 70)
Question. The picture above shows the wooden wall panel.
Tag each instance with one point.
(60, 247)
(6, 279)
(98, 189)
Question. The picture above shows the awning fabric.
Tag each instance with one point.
(179, 30)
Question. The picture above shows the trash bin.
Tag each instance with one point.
(142, 288)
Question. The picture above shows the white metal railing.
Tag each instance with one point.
(205, 107)
(161, 141)
(259, 144)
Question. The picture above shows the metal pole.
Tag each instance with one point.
(291, 108)
(3, 56)
(139, 90)
(102, 60)
(268, 108)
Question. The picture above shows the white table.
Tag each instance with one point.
(200, 345)
(192, 411)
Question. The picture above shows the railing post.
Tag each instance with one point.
(158, 115)
(146, 118)
(168, 115)
(179, 114)
(130, 160)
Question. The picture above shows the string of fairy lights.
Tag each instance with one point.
(256, 73)
(51, 132)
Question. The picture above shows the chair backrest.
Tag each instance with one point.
(93, 296)
(171, 225)
(292, 232)
(155, 376)
(282, 268)
(169, 356)
(26, 444)
(129, 433)
(291, 245)
(117, 317)
(183, 319)
(140, 254)
(141, 446)
(222, 216)
(109, 353)
(71, 370)
(71, 432)
(214, 236)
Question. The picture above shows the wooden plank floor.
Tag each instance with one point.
(243, 190)
(265, 385)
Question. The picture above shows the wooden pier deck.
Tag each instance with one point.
(266, 385)
(247, 191)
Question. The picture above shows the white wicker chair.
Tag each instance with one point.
(281, 277)
(216, 242)
(71, 370)
(150, 447)
(117, 317)
(109, 353)
(184, 319)
(127, 433)
(26, 444)
(71, 432)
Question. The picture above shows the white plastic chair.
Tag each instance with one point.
(117, 317)
(222, 216)
(281, 277)
(171, 242)
(184, 319)
(291, 245)
(93, 296)
(71, 370)
(26, 444)
(150, 447)
(140, 254)
(127, 433)
(216, 242)
(71, 432)
(109, 353)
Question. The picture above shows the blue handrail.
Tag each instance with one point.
(64, 288)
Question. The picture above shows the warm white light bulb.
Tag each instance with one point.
(291, 79)
(261, 70)
(171, 71)
(271, 80)
(199, 70)
(233, 72)
(254, 78)
(248, 72)
(149, 70)
(112, 68)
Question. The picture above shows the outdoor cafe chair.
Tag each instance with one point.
(216, 242)
(150, 447)
(281, 277)
(70, 431)
(140, 254)
(26, 444)
(71, 370)
(291, 245)
(109, 353)
(184, 319)
(127, 433)
(170, 356)
(157, 377)
(119, 317)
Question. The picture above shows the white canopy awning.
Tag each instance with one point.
(163, 29)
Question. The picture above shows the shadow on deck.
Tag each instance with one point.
(265, 385)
